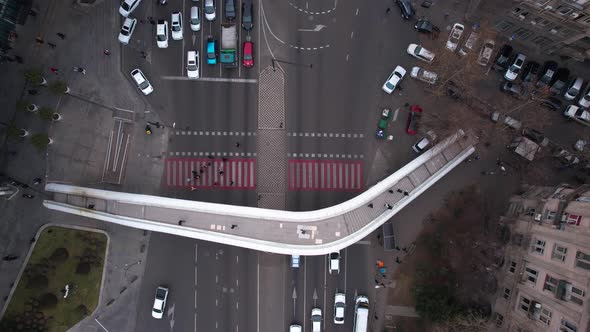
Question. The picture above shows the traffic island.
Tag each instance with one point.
(60, 284)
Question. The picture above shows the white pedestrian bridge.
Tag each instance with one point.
(286, 232)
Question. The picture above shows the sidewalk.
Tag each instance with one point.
(80, 143)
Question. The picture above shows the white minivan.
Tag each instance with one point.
(195, 18)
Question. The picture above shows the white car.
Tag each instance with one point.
(424, 75)
(394, 79)
(160, 302)
(585, 99)
(455, 36)
(486, 52)
(577, 113)
(514, 69)
(420, 53)
(295, 328)
(176, 25)
(339, 305)
(162, 34)
(127, 6)
(192, 64)
(316, 320)
(210, 10)
(127, 30)
(142, 82)
(195, 21)
(334, 262)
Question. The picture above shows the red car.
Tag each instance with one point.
(413, 118)
(248, 54)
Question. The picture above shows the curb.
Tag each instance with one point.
(22, 269)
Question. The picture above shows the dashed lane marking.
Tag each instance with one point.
(212, 133)
(212, 79)
(212, 153)
(326, 135)
(326, 155)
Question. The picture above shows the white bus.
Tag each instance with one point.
(361, 314)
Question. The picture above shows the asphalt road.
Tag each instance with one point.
(333, 79)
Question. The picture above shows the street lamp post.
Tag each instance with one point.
(273, 60)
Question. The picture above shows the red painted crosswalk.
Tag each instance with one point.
(210, 173)
(325, 175)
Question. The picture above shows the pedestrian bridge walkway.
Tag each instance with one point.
(286, 232)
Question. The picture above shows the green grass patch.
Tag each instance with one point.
(62, 256)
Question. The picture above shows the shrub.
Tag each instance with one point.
(58, 87)
(46, 113)
(34, 76)
(22, 105)
(83, 268)
(48, 301)
(40, 141)
(13, 130)
(80, 312)
(38, 282)
(435, 303)
(60, 255)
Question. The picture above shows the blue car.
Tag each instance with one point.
(211, 51)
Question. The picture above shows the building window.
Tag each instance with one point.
(572, 219)
(512, 267)
(550, 284)
(541, 2)
(522, 33)
(504, 25)
(499, 319)
(559, 252)
(517, 239)
(551, 214)
(586, 20)
(583, 260)
(563, 10)
(542, 41)
(531, 275)
(568, 326)
(576, 295)
(538, 246)
(545, 316)
(506, 293)
(525, 304)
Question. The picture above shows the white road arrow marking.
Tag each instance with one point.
(316, 29)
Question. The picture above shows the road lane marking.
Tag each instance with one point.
(212, 79)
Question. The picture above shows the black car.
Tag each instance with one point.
(406, 7)
(503, 59)
(426, 27)
(562, 75)
(247, 18)
(546, 75)
(552, 103)
(530, 72)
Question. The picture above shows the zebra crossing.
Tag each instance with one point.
(325, 175)
(240, 173)
(211, 173)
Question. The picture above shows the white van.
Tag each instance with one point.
(361, 314)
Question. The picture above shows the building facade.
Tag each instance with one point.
(552, 27)
(545, 279)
